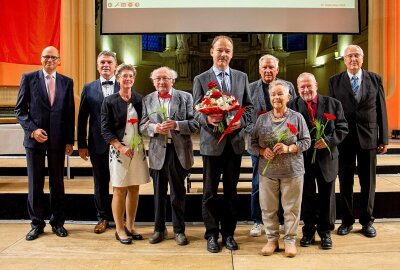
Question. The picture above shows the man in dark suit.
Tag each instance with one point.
(226, 156)
(363, 100)
(90, 108)
(268, 67)
(46, 111)
(170, 150)
(319, 211)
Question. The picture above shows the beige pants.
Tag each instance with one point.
(291, 190)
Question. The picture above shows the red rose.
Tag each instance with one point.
(329, 116)
(292, 128)
(212, 85)
(133, 120)
(167, 95)
(216, 94)
(206, 101)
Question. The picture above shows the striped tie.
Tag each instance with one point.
(354, 84)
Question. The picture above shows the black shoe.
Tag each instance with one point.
(326, 242)
(307, 240)
(34, 233)
(60, 231)
(180, 239)
(212, 245)
(368, 231)
(126, 241)
(157, 237)
(344, 229)
(133, 236)
(230, 243)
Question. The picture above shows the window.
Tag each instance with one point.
(294, 42)
(155, 43)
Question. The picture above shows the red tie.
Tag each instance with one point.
(52, 88)
(310, 110)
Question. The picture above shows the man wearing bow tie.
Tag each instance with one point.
(91, 100)
(46, 111)
(363, 99)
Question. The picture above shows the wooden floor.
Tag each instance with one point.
(83, 249)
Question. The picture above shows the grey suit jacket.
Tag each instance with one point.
(260, 107)
(208, 138)
(181, 110)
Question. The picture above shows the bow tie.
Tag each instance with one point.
(107, 82)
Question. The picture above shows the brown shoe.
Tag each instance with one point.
(101, 226)
(269, 248)
(290, 250)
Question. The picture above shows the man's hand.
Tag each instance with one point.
(168, 125)
(215, 119)
(69, 149)
(83, 153)
(40, 135)
(382, 149)
(235, 125)
(320, 144)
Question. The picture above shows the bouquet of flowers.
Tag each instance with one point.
(282, 135)
(319, 132)
(215, 101)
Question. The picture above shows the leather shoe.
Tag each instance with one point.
(60, 231)
(212, 245)
(368, 231)
(132, 235)
(230, 243)
(270, 248)
(344, 229)
(180, 239)
(126, 241)
(157, 237)
(290, 250)
(34, 233)
(326, 242)
(307, 240)
(101, 226)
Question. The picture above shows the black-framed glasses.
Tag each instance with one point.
(50, 57)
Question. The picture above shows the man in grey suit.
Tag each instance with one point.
(224, 157)
(169, 122)
(95, 146)
(268, 67)
(46, 111)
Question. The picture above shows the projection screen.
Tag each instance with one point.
(257, 16)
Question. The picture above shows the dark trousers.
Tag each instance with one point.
(255, 196)
(366, 164)
(318, 210)
(36, 198)
(228, 163)
(101, 176)
(173, 173)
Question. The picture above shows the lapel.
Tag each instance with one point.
(98, 91)
(365, 85)
(303, 109)
(59, 90)
(346, 86)
(260, 95)
(154, 107)
(41, 87)
(174, 103)
(320, 108)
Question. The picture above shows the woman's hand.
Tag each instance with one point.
(281, 148)
(127, 151)
(267, 153)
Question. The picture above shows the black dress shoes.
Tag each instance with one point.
(157, 237)
(230, 243)
(60, 231)
(344, 229)
(133, 236)
(34, 233)
(326, 242)
(212, 245)
(307, 240)
(126, 241)
(180, 239)
(368, 231)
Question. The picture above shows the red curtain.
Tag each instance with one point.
(27, 27)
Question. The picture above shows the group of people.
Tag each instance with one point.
(289, 158)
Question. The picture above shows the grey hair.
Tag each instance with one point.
(172, 73)
(107, 53)
(268, 56)
(123, 67)
(304, 74)
(276, 83)
(353, 45)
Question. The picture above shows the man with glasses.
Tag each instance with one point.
(95, 147)
(363, 99)
(169, 122)
(46, 111)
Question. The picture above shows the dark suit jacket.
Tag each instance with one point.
(335, 131)
(367, 119)
(33, 111)
(90, 108)
(114, 115)
(208, 138)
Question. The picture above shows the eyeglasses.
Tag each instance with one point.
(355, 55)
(50, 57)
(162, 79)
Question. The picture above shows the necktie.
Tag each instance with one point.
(354, 84)
(51, 88)
(107, 83)
(222, 76)
(310, 110)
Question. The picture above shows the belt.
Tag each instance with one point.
(170, 141)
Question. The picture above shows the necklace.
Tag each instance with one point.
(279, 117)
